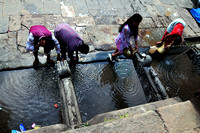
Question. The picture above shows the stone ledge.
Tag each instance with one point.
(180, 117)
(132, 111)
(49, 129)
(146, 122)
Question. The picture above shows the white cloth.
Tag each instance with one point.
(173, 24)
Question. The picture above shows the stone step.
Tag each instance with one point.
(131, 111)
(146, 122)
(57, 128)
(178, 118)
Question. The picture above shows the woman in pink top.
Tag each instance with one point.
(126, 30)
(40, 36)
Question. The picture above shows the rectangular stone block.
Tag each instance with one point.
(147, 23)
(52, 7)
(80, 7)
(84, 21)
(1, 9)
(105, 20)
(148, 122)
(153, 11)
(103, 36)
(15, 23)
(180, 117)
(12, 7)
(68, 2)
(161, 9)
(67, 11)
(185, 3)
(157, 21)
(93, 4)
(168, 2)
(22, 37)
(33, 7)
(30, 20)
(4, 24)
(147, 2)
(116, 4)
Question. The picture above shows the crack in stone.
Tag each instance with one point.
(165, 127)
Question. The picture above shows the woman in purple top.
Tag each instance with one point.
(70, 41)
(40, 36)
(126, 31)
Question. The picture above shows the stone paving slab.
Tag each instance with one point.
(57, 128)
(4, 20)
(12, 7)
(146, 122)
(96, 21)
(104, 38)
(180, 117)
(131, 111)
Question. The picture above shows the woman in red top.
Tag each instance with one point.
(173, 33)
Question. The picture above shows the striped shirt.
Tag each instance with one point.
(69, 37)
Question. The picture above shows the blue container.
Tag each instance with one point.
(15, 131)
(22, 128)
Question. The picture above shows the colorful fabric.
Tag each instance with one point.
(123, 39)
(33, 38)
(196, 14)
(175, 27)
(174, 23)
(68, 38)
(30, 43)
(164, 35)
(178, 29)
(40, 31)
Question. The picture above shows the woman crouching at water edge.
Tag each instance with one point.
(126, 30)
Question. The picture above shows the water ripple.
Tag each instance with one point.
(28, 94)
(113, 86)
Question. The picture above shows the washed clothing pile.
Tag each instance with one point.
(196, 14)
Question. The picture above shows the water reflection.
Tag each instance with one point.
(28, 96)
(102, 87)
(178, 75)
(109, 76)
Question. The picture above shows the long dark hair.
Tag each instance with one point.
(137, 18)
